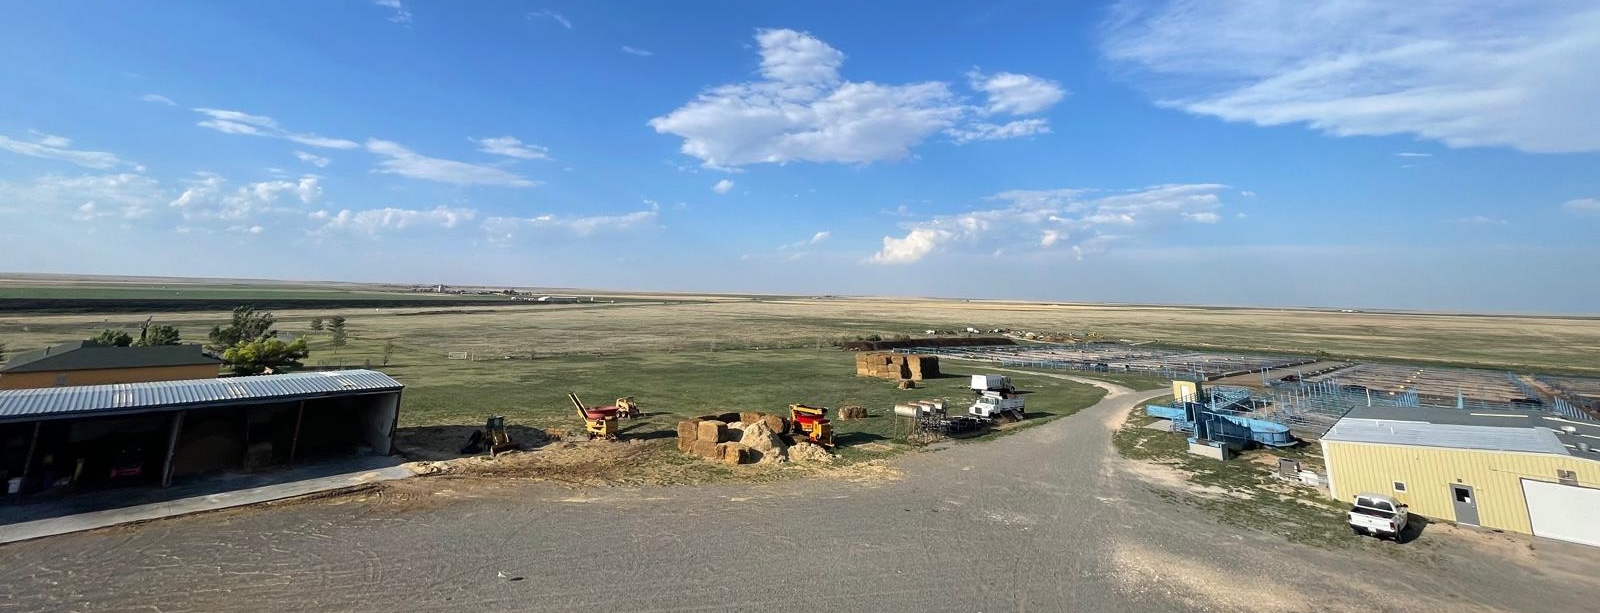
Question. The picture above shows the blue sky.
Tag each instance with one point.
(1364, 154)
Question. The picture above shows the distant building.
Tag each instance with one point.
(1532, 473)
(90, 363)
(559, 299)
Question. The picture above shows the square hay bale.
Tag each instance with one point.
(686, 445)
(713, 431)
(749, 417)
(689, 429)
(707, 450)
(734, 453)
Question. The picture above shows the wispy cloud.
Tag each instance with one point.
(1461, 73)
(509, 228)
(511, 146)
(1086, 221)
(815, 239)
(803, 110)
(407, 163)
(1016, 94)
(379, 221)
(1412, 154)
(124, 195)
(551, 15)
(1582, 205)
(314, 160)
(723, 186)
(637, 51)
(238, 122)
(401, 15)
(1476, 220)
(158, 99)
(53, 147)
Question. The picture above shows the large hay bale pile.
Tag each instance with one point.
(897, 366)
(734, 438)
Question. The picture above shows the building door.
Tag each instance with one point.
(1564, 512)
(1466, 503)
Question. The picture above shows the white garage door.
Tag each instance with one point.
(1564, 512)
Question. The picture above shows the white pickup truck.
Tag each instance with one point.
(1379, 516)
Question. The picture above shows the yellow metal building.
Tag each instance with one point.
(88, 363)
(1521, 472)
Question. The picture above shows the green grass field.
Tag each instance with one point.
(445, 395)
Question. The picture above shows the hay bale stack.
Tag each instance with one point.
(765, 445)
(808, 452)
(851, 411)
(734, 453)
(897, 366)
(713, 431)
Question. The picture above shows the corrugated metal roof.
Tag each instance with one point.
(137, 397)
(1452, 436)
(86, 355)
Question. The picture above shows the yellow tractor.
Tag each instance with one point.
(600, 422)
(812, 422)
(628, 408)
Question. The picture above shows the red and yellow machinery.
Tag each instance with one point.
(600, 422)
(812, 422)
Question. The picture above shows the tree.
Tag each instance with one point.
(388, 350)
(265, 355)
(113, 338)
(316, 323)
(341, 337)
(247, 325)
(159, 335)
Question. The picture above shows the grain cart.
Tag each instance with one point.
(600, 422)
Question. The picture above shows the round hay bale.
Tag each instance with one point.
(906, 384)
(851, 411)
(808, 452)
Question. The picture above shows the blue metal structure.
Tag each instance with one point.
(1223, 416)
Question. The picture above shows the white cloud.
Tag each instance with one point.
(815, 239)
(376, 221)
(237, 122)
(637, 51)
(511, 146)
(987, 131)
(1461, 73)
(407, 163)
(1583, 205)
(820, 236)
(508, 228)
(208, 198)
(723, 186)
(1477, 220)
(401, 14)
(1247, 193)
(551, 15)
(1412, 154)
(1016, 94)
(1087, 221)
(158, 99)
(125, 195)
(314, 160)
(802, 110)
(52, 147)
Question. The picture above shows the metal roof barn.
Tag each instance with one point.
(127, 398)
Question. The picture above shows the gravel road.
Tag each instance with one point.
(1047, 519)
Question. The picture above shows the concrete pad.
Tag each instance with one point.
(1164, 425)
(281, 484)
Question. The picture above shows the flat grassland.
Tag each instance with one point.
(686, 355)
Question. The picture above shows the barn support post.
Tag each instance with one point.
(294, 442)
(33, 448)
(172, 448)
